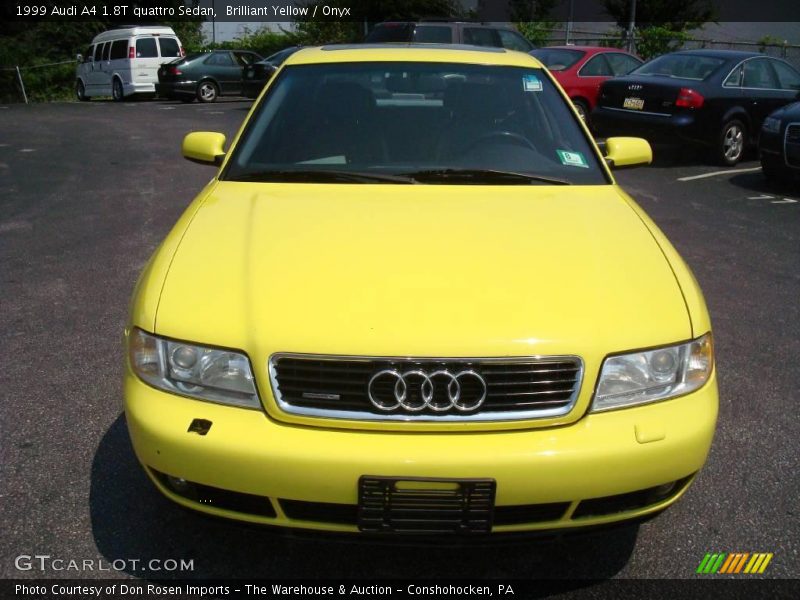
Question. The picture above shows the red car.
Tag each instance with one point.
(582, 69)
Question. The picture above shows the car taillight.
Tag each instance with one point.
(175, 71)
(131, 52)
(688, 98)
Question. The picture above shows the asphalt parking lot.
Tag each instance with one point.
(87, 191)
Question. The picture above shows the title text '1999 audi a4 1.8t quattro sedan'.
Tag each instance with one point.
(414, 300)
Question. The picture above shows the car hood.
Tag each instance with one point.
(424, 270)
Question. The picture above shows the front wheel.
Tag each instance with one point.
(116, 91)
(207, 92)
(732, 139)
(80, 91)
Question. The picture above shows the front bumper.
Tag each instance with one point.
(613, 454)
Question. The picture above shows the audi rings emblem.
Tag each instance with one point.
(416, 390)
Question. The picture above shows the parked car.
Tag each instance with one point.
(779, 144)
(257, 74)
(413, 300)
(122, 62)
(716, 98)
(205, 76)
(582, 69)
(443, 32)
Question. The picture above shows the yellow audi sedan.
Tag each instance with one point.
(413, 300)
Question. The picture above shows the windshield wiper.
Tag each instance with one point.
(321, 176)
(478, 176)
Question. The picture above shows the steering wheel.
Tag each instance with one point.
(508, 136)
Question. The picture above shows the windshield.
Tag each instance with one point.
(681, 66)
(414, 123)
(557, 59)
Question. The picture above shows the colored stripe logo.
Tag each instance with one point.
(735, 562)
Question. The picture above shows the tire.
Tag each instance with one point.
(731, 143)
(207, 91)
(80, 92)
(583, 110)
(117, 93)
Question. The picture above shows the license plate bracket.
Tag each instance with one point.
(422, 505)
(633, 103)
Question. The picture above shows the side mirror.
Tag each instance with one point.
(627, 151)
(204, 147)
(79, 57)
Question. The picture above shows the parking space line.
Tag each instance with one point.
(785, 201)
(763, 197)
(715, 173)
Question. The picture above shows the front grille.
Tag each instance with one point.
(480, 389)
(792, 145)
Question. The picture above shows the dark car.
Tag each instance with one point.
(779, 144)
(443, 32)
(204, 76)
(257, 74)
(716, 98)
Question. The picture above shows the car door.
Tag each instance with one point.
(226, 71)
(761, 88)
(144, 67)
(243, 59)
(591, 76)
(621, 63)
(514, 41)
(788, 80)
(102, 70)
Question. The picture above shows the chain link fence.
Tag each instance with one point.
(37, 83)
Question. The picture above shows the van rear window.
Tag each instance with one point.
(119, 49)
(169, 47)
(146, 48)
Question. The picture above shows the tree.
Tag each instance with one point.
(674, 15)
(365, 12)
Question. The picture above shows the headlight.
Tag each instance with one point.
(771, 125)
(187, 369)
(642, 377)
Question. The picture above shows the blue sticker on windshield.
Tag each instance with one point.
(531, 83)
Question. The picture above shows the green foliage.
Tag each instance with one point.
(319, 31)
(528, 11)
(263, 41)
(536, 32)
(30, 44)
(653, 41)
(769, 40)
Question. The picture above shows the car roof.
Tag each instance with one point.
(726, 54)
(583, 48)
(409, 52)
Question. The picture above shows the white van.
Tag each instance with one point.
(125, 61)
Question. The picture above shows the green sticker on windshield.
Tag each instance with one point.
(572, 159)
(531, 83)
